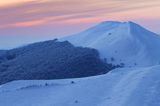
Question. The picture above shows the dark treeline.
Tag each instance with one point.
(50, 60)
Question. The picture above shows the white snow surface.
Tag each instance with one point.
(137, 84)
(120, 87)
(126, 42)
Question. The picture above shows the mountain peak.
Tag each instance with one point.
(133, 24)
(127, 42)
(117, 22)
(128, 24)
(110, 22)
(107, 24)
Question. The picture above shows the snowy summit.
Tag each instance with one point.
(125, 43)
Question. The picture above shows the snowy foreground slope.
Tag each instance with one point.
(120, 87)
(126, 42)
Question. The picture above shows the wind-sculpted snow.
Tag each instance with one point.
(120, 87)
(126, 42)
(29, 84)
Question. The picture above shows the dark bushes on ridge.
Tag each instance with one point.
(51, 60)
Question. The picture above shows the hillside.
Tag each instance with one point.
(50, 60)
(55, 73)
(120, 87)
(121, 42)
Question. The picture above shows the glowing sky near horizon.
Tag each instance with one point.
(25, 21)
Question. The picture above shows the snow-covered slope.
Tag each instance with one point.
(138, 84)
(120, 87)
(121, 42)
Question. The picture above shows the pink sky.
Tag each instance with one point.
(25, 21)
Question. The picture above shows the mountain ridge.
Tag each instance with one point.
(124, 41)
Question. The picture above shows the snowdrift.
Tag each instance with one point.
(120, 87)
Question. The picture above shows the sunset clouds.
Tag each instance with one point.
(24, 15)
(38, 12)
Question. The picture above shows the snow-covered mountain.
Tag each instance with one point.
(121, 42)
(120, 87)
(125, 43)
